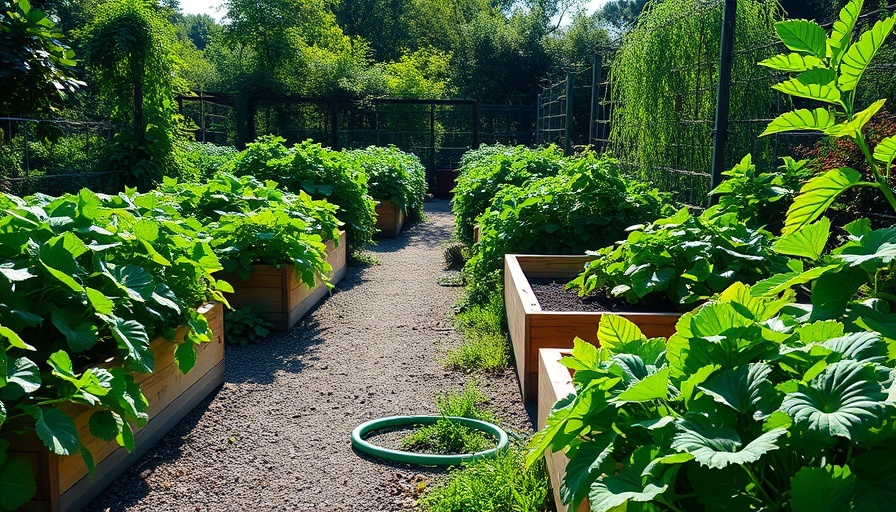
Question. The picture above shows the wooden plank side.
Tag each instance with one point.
(547, 266)
(516, 303)
(554, 383)
(389, 219)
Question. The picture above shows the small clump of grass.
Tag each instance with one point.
(456, 255)
(496, 484)
(362, 259)
(447, 436)
(485, 345)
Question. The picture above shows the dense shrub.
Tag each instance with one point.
(199, 161)
(318, 171)
(587, 204)
(485, 171)
(393, 175)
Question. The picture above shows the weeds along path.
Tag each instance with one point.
(276, 436)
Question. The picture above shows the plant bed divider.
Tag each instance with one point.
(277, 292)
(389, 219)
(554, 383)
(63, 483)
(532, 329)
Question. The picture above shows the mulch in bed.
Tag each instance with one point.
(552, 295)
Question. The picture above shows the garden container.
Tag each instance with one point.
(389, 219)
(554, 383)
(532, 329)
(62, 481)
(277, 292)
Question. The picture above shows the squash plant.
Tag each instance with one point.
(679, 261)
(745, 408)
(251, 222)
(86, 279)
(395, 176)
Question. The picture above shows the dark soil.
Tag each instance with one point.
(552, 295)
(276, 436)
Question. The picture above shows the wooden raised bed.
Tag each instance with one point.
(554, 383)
(62, 481)
(389, 219)
(278, 293)
(532, 329)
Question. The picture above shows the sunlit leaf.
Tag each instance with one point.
(860, 53)
(817, 195)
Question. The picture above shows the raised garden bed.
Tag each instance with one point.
(277, 292)
(389, 219)
(532, 329)
(554, 383)
(62, 481)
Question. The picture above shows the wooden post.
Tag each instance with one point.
(723, 96)
(595, 80)
(432, 146)
(567, 128)
(476, 120)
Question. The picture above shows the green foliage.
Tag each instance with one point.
(321, 173)
(493, 484)
(85, 279)
(250, 222)
(131, 58)
(832, 66)
(761, 199)
(680, 260)
(485, 345)
(37, 71)
(244, 326)
(654, 78)
(447, 436)
(199, 161)
(745, 406)
(587, 204)
(485, 171)
(395, 176)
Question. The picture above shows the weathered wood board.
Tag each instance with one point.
(389, 219)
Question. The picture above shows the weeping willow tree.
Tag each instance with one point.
(131, 58)
(663, 88)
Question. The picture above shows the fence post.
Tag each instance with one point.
(567, 128)
(538, 119)
(476, 120)
(334, 126)
(595, 80)
(723, 97)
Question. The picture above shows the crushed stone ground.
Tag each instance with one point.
(276, 436)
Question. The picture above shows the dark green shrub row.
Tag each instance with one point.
(393, 175)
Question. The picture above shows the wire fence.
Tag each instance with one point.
(55, 156)
(686, 134)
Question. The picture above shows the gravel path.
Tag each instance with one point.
(276, 436)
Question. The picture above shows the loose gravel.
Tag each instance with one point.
(276, 436)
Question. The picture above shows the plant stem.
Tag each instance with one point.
(668, 504)
(884, 184)
(758, 485)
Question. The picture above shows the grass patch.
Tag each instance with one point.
(495, 484)
(485, 346)
(362, 259)
(448, 437)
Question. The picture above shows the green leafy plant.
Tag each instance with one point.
(484, 346)
(485, 171)
(761, 199)
(321, 173)
(746, 407)
(395, 176)
(828, 68)
(680, 260)
(86, 282)
(587, 204)
(447, 436)
(244, 326)
(494, 484)
(252, 222)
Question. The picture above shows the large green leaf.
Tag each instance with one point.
(777, 283)
(808, 242)
(885, 152)
(833, 291)
(792, 62)
(133, 280)
(615, 331)
(745, 389)
(841, 32)
(185, 356)
(817, 195)
(57, 430)
(14, 339)
(717, 446)
(24, 373)
(584, 467)
(17, 485)
(80, 333)
(803, 36)
(856, 124)
(819, 119)
(826, 489)
(859, 346)
(131, 336)
(871, 251)
(876, 472)
(860, 53)
(652, 387)
(818, 92)
(845, 400)
(106, 425)
(634, 483)
(101, 304)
